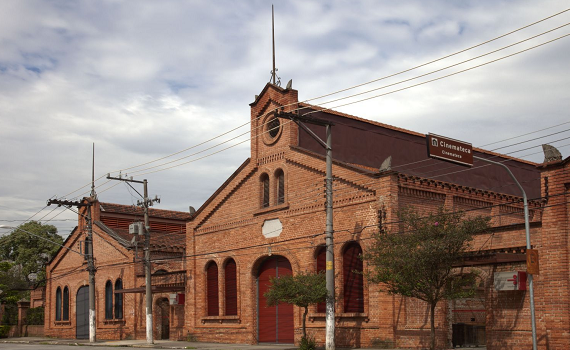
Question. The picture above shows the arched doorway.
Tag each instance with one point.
(274, 323)
(82, 313)
(163, 311)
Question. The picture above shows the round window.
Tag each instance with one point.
(273, 127)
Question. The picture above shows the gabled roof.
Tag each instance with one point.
(159, 241)
(134, 210)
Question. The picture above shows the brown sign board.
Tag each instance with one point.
(532, 261)
(450, 150)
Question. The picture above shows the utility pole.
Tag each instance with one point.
(145, 203)
(329, 270)
(89, 255)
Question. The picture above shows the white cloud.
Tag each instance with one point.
(143, 80)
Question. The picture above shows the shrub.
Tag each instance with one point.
(307, 343)
(4, 330)
(35, 316)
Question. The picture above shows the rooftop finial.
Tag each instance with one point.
(275, 80)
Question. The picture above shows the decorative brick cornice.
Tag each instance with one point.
(414, 192)
(472, 202)
(225, 226)
(425, 183)
(270, 158)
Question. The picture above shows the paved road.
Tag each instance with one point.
(12, 346)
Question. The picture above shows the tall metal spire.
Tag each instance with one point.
(273, 37)
(93, 194)
(275, 80)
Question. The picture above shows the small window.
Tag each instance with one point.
(65, 303)
(265, 190)
(212, 289)
(280, 177)
(109, 300)
(118, 300)
(231, 287)
(58, 304)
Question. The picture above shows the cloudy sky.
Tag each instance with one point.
(146, 79)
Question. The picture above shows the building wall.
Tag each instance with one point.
(112, 262)
(230, 225)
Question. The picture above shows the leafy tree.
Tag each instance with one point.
(12, 283)
(419, 262)
(302, 290)
(29, 250)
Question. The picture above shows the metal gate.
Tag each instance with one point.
(275, 323)
(163, 319)
(82, 313)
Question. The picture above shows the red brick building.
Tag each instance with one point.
(268, 219)
(119, 279)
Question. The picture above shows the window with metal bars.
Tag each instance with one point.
(65, 304)
(280, 177)
(109, 300)
(58, 304)
(118, 300)
(265, 190)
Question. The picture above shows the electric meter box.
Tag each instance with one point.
(136, 228)
(511, 280)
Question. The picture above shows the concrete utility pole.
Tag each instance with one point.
(89, 255)
(145, 203)
(329, 270)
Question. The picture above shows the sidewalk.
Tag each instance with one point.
(161, 344)
(158, 344)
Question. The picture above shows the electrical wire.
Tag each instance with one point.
(359, 85)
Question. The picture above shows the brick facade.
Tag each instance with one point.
(118, 258)
(230, 226)
(255, 217)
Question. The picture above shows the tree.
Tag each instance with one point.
(28, 250)
(419, 262)
(12, 283)
(302, 290)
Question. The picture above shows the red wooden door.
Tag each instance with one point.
(275, 322)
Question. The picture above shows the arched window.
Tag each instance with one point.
(264, 191)
(280, 191)
(231, 287)
(118, 300)
(58, 304)
(321, 267)
(212, 289)
(353, 279)
(108, 300)
(65, 303)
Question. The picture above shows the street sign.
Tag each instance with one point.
(450, 150)
(532, 261)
